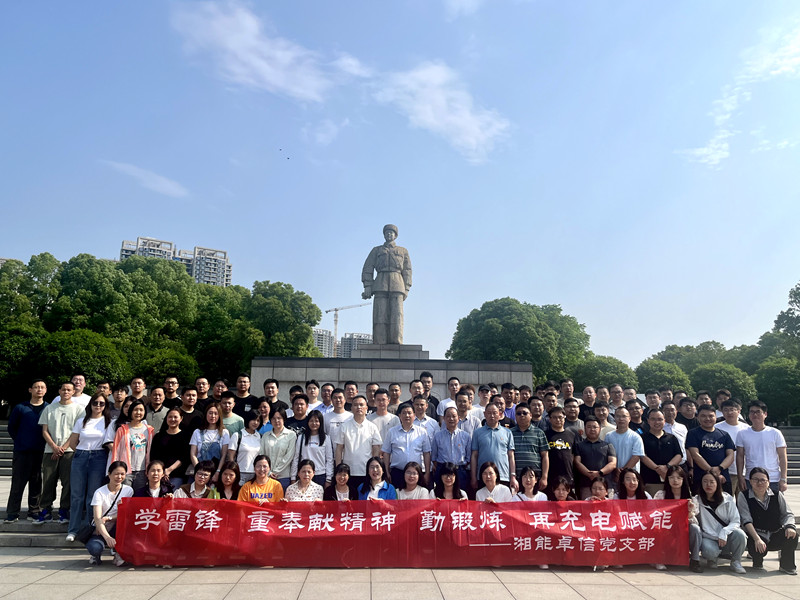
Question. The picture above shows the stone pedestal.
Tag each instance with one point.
(391, 351)
(383, 371)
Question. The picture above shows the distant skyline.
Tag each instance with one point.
(635, 163)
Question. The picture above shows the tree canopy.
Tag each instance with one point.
(507, 329)
(778, 381)
(603, 370)
(715, 376)
(653, 374)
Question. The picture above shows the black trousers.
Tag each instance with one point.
(777, 541)
(26, 470)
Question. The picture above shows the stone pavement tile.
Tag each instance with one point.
(607, 592)
(150, 575)
(140, 591)
(12, 555)
(668, 592)
(7, 587)
(526, 575)
(402, 576)
(257, 591)
(270, 575)
(338, 576)
(737, 592)
(790, 591)
(720, 576)
(649, 576)
(37, 592)
(465, 576)
(207, 591)
(196, 575)
(87, 574)
(475, 591)
(418, 591)
(338, 589)
(526, 591)
(586, 575)
(19, 574)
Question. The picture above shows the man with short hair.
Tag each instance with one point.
(732, 410)
(567, 387)
(629, 393)
(561, 443)
(652, 400)
(665, 392)
(191, 418)
(508, 392)
(594, 458)
(703, 397)
(357, 440)
(677, 395)
(203, 388)
(350, 392)
(245, 401)
(335, 418)
(525, 393)
(26, 464)
(531, 448)
(172, 398)
(466, 417)
(312, 391)
(762, 446)
(636, 410)
(496, 444)
(453, 382)
(602, 416)
(230, 420)
(138, 388)
(395, 392)
(617, 401)
(587, 408)
(500, 402)
(719, 397)
(156, 411)
(119, 393)
(79, 397)
(421, 418)
(571, 412)
(661, 451)
(415, 388)
(484, 395)
(550, 402)
(670, 412)
(426, 377)
(57, 421)
(327, 403)
(271, 390)
(687, 409)
(372, 387)
(405, 443)
(627, 443)
(382, 418)
(103, 387)
(452, 445)
(712, 449)
(538, 416)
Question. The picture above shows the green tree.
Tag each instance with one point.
(688, 358)
(285, 318)
(14, 302)
(771, 344)
(60, 354)
(572, 341)
(653, 374)
(714, 376)
(778, 381)
(172, 359)
(788, 321)
(17, 341)
(603, 370)
(506, 329)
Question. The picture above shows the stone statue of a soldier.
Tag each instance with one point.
(389, 286)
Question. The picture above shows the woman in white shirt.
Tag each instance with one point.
(446, 486)
(304, 489)
(529, 493)
(105, 503)
(210, 442)
(88, 463)
(492, 492)
(411, 490)
(245, 446)
(719, 522)
(316, 445)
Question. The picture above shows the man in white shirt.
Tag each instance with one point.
(312, 391)
(78, 383)
(335, 418)
(423, 420)
(357, 441)
(382, 418)
(732, 425)
(672, 426)
(761, 446)
(404, 444)
(468, 420)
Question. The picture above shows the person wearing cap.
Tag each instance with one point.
(387, 276)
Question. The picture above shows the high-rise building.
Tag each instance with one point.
(351, 341)
(204, 264)
(323, 339)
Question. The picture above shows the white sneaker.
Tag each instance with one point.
(94, 560)
(737, 567)
(70, 537)
(118, 560)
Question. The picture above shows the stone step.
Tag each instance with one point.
(29, 527)
(44, 540)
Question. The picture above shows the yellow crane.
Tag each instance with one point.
(335, 312)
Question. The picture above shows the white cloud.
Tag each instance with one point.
(433, 97)
(461, 8)
(325, 132)
(149, 180)
(350, 65)
(778, 55)
(233, 36)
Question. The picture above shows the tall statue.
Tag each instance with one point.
(389, 285)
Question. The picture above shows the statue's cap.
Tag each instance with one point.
(392, 227)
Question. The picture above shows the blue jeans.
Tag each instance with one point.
(86, 476)
(96, 545)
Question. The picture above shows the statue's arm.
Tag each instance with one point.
(407, 271)
(367, 276)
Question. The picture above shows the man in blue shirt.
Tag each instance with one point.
(453, 445)
(496, 444)
(711, 449)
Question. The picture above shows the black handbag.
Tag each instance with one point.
(86, 532)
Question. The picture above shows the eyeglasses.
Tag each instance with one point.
(202, 474)
(98, 403)
(759, 480)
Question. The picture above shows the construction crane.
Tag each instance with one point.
(335, 312)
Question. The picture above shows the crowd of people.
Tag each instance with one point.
(506, 444)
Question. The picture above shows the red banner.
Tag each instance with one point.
(410, 533)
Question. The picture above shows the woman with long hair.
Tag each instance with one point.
(210, 442)
(446, 486)
(377, 485)
(340, 490)
(279, 444)
(229, 481)
(528, 491)
(631, 486)
(171, 447)
(88, 463)
(132, 442)
(157, 485)
(492, 491)
(105, 503)
(411, 488)
(719, 522)
(676, 487)
(264, 412)
(245, 446)
(262, 489)
(314, 444)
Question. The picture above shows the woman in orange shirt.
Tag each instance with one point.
(261, 489)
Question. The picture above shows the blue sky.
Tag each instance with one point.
(635, 162)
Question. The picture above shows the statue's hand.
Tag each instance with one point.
(366, 294)
(405, 295)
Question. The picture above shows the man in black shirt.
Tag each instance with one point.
(687, 409)
(661, 451)
(244, 399)
(561, 442)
